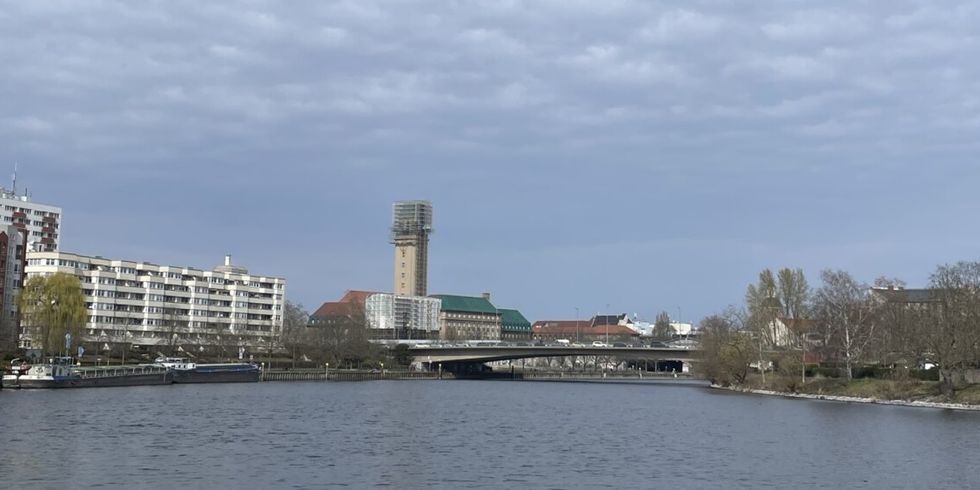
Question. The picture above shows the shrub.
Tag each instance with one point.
(925, 374)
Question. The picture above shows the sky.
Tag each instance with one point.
(615, 156)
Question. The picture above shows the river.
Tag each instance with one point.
(473, 434)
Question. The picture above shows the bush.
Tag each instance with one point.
(825, 372)
(925, 374)
(874, 372)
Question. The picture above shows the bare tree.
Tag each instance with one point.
(793, 293)
(843, 309)
(726, 349)
(794, 299)
(341, 338)
(661, 326)
(763, 304)
(950, 338)
(294, 329)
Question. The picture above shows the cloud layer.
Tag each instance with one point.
(571, 129)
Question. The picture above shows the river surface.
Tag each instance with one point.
(473, 434)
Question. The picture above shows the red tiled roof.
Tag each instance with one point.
(345, 305)
(333, 308)
(580, 327)
(353, 296)
(560, 325)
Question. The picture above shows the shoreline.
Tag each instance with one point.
(852, 399)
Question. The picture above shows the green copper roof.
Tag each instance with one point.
(466, 303)
(512, 320)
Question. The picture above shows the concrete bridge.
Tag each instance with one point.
(476, 354)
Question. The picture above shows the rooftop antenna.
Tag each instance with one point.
(14, 183)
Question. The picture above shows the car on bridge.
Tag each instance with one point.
(599, 344)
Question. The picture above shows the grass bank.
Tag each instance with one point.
(911, 392)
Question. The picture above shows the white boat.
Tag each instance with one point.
(18, 368)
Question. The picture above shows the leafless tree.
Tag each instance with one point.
(843, 309)
(294, 328)
(951, 337)
(661, 326)
(726, 349)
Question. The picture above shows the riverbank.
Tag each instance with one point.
(923, 394)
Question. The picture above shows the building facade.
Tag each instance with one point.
(13, 259)
(386, 315)
(158, 308)
(41, 222)
(411, 225)
(513, 325)
(468, 318)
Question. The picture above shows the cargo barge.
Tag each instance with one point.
(61, 373)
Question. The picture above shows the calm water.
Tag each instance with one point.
(472, 434)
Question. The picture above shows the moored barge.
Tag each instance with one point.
(191, 372)
(60, 373)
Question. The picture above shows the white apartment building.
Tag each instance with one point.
(166, 308)
(41, 221)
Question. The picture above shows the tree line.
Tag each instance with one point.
(844, 324)
(340, 340)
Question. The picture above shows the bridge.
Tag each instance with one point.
(475, 354)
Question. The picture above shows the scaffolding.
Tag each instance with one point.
(411, 225)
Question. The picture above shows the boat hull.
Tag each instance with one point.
(230, 373)
(94, 382)
(92, 377)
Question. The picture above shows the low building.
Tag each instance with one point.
(601, 328)
(468, 318)
(165, 308)
(386, 315)
(513, 325)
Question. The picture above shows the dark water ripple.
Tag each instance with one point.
(456, 434)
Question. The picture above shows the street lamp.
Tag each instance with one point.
(382, 370)
(607, 325)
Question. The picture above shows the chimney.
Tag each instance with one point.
(486, 296)
(227, 259)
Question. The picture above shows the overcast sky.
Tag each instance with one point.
(642, 155)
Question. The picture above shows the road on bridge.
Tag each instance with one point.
(477, 353)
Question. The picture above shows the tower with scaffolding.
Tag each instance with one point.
(411, 225)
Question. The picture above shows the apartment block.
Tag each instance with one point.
(41, 222)
(158, 308)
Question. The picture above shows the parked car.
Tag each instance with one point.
(620, 344)
(596, 343)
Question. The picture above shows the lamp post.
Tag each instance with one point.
(382, 370)
(576, 326)
(607, 325)
(327, 372)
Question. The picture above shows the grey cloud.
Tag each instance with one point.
(370, 93)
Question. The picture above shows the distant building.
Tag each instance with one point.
(42, 222)
(386, 315)
(411, 225)
(468, 318)
(513, 325)
(159, 308)
(13, 259)
(600, 328)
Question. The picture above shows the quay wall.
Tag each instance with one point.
(345, 375)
